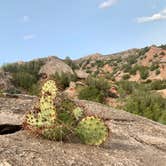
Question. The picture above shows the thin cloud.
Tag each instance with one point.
(26, 19)
(155, 17)
(107, 4)
(29, 36)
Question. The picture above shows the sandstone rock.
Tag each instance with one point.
(81, 74)
(12, 110)
(54, 65)
(71, 90)
(134, 141)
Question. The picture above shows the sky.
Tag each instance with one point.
(31, 29)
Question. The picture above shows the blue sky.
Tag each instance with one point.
(37, 28)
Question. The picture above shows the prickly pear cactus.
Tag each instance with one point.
(92, 131)
(58, 118)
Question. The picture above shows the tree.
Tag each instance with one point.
(69, 62)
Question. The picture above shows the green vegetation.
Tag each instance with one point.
(99, 63)
(25, 76)
(128, 87)
(70, 62)
(132, 59)
(149, 105)
(163, 46)
(24, 80)
(154, 66)
(157, 71)
(127, 68)
(92, 94)
(144, 72)
(126, 76)
(139, 98)
(158, 85)
(63, 80)
(96, 90)
(143, 51)
(155, 55)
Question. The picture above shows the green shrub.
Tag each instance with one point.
(162, 53)
(163, 118)
(63, 80)
(31, 67)
(154, 66)
(109, 76)
(155, 55)
(119, 59)
(96, 90)
(163, 46)
(95, 73)
(131, 59)
(34, 89)
(143, 51)
(127, 68)
(157, 71)
(129, 87)
(88, 71)
(158, 85)
(24, 75)
(100, 83)
(126, 77)
(144, 72)
(134, 70)
(24, 80)
(69, 62)
(126, 87)
(146, 104)
(100, 63)
(92, 94)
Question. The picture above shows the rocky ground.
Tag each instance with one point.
(134, 141)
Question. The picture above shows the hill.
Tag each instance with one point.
(135, 65)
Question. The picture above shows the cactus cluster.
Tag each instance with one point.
(59, 121)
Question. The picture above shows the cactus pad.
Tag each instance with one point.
(56, 133)
(92, 131)
(78, 113)
(49, 88)
(46, 102)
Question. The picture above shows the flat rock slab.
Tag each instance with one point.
(134, 141)
(12, 110)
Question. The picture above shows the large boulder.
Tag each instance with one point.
(81, 74)
(134, 141)
(54, 65)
